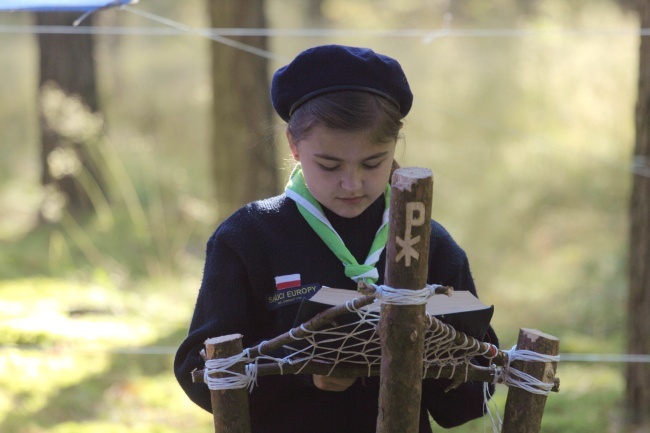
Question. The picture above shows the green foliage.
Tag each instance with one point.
(144, 227)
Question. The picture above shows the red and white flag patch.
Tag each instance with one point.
(287, 281)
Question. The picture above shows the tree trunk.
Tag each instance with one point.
(314, 13)
(638, 374)
(67, 69)
(243, 157)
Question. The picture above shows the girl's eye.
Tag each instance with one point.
(367, 166)
(371, 166)
(327, 168)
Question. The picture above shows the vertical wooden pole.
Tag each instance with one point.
(402, 327)
(524, 410)
(229, 407)
(637, 374)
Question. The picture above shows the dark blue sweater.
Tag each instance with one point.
(270, 238)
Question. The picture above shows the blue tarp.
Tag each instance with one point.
(60, 5)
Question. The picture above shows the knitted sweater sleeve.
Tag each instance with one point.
(448, 265)
(221, 309)
(227, 303)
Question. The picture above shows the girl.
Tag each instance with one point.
(344, 108)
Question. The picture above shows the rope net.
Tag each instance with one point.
(351, 339)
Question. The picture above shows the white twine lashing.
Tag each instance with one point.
(393, 296)
(516, 378)
(515, 354)
(230, 379)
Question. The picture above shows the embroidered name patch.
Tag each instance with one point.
(292, 295)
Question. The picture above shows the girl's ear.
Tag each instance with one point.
(293, 147)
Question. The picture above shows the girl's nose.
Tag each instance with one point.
(351, 181)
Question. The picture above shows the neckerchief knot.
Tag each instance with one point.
(312, 211)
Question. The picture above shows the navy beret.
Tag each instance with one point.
(331, 68)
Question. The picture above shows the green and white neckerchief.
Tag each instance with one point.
(312, 211)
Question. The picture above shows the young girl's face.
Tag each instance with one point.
(344, 171)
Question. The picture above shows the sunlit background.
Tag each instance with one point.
(523, 110)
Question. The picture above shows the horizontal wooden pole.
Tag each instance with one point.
(458, 374)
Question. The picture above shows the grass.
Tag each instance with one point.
(64, 364)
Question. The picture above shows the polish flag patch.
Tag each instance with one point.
(287, 281)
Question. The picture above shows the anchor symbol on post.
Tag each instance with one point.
(408, 252)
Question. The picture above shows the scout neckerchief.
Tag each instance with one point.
(312, 211)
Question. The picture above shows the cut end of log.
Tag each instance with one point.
(223, 339)
(404, 178)
(365, 288)
(197, 376)
(534, 334)
(444, 290)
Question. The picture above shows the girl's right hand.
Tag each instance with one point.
(327, 383)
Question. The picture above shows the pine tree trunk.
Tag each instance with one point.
(638, 374)
(244, 165)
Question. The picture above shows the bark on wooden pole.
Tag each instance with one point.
(230, 406)
(402, 327)
(637, 374)
(524, 410)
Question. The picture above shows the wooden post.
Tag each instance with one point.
(524, 410)
(229, 407)
(402, 327)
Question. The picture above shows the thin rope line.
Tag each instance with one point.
(187, 29)
(605, 358)
(425, 34)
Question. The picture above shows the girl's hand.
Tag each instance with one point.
(327, 383)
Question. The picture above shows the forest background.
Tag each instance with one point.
(529, 134)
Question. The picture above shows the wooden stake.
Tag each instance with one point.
(402, 327)
(229, 407)
(524, 410)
